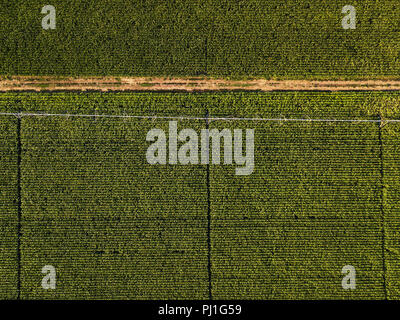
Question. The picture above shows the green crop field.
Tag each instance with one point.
(8, 207)
(288, 39)
(77, 193)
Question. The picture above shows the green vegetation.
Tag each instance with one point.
(116, 227)
(234, 39)
(8, 208)
(391, 156)
(311, 207)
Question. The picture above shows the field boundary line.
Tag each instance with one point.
(154, 117)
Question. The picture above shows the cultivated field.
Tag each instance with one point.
(77, 193)
(115, 183)
(287, 39)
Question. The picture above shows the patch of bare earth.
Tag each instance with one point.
(48, 83)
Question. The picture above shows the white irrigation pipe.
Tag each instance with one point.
(22, 114)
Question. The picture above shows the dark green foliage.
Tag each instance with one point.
(237, 39)
(8, 207)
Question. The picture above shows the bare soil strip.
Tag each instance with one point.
(47, 83)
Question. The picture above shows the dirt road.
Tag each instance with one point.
(47, 83)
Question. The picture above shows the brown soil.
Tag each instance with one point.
(47, 83)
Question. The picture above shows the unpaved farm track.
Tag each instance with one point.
(47, 83)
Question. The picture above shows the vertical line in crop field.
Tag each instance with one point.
(19, 208)
(382, 205)
(208, 221)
